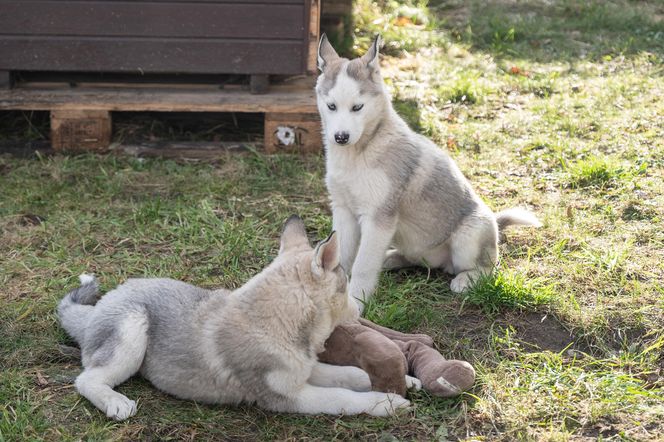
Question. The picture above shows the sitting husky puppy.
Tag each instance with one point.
(255, 344)
(397, 198)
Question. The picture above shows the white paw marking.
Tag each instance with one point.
(413, 383)
(460, 283)
(442, 381)
(120, 408)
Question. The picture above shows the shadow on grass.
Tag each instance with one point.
(559, 30)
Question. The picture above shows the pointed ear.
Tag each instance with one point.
(294, 234)
(327, 255)
(370, 59)
(326, 53)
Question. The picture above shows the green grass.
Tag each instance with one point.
(562, 113)
(508, 290)
(600, 172)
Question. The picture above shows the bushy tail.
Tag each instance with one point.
(75, 308)
(516, 217)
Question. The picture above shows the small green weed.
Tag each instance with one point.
(508, 290)
(464, 91)
(596, 171)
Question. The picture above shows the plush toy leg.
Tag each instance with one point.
(385, 363)
(360, 346)
(440, 377)
(395, 335)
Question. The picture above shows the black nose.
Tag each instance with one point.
(341, 137)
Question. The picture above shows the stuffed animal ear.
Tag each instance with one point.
(326, 53)
(326, 255)
(294, 235)
(370, 59)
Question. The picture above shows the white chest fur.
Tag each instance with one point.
(354, 184)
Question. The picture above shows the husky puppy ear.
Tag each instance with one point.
(294, 235)
(326, 53)
(326, 255)
(370, 59)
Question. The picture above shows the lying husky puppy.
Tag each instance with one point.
(392, 188)
(255, 344)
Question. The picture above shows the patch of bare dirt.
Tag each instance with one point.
(542, 332)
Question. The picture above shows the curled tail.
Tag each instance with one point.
(75, 308)
(516, 217)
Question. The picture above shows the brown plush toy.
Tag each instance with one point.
(388, 356)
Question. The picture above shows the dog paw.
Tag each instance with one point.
(120, 408)
(387, 404)
(413, 383)
(460, 283)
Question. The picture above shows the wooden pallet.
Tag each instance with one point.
(81, 116)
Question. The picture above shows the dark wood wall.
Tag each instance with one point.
(158, 36)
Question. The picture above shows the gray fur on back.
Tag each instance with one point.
(441, 201)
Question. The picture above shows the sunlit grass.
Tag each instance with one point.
(555, 106)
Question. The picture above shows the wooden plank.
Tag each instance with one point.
(298, 133)
(259, 84)
(314, 36)
(152, 19)
(59, 80)
(6, 80)
(151, 55)
(185, 2)
(80, 130)
(281, 100)
(215, 80)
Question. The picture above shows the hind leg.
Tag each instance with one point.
(352, 378)
(117, 353)
(395, 260)
(434, 258)
(474, 251)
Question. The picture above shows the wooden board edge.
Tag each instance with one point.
(314, 36)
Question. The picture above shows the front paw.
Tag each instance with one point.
(120, 408)
(413, 383)
(461, 283)
(387, 404)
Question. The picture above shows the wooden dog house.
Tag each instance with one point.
(53, 51)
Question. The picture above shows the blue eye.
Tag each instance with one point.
(357, 107)
(332, 106)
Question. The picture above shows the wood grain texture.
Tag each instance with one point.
(314, 36)
(185, 2)
(265, 37)
(80, 130)
(297, 133)
(151, 55)
(152, 19)
(284, 100)
(6, 80)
